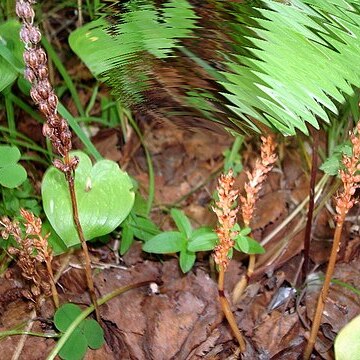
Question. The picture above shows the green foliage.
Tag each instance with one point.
(11, 49)
(284, 64)
(104, 194)
(347, 342)
(136, 226)
(87, 334)
(233, 158)
(141, 29)
(246, 244)
(12, 174)
(15, 199)
(186, 241)
(332, 164)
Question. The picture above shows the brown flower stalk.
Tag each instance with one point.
(32, 251)
(226, 211)
(252, 188)
(344, 202)
(56, 128)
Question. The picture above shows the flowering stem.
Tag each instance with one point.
(54, 292)
(325, 289)
(89, 279)
(225, 306)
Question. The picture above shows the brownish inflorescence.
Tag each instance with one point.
(257, 177)
(345, 200)
(32, 252)
(226, 211)
(36, 72)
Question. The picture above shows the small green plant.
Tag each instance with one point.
(12, 174)
(186, 240)
(88, 334)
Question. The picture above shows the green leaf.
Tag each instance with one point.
(143, 228)
(65, 315)
(94, 334)
(187, 260)
(202, 239)
(127, 238)
(332, 164)
(104, 194)
(11, 49)
(166, 243)
(57, 245)
(248, 245)
(11, 173)
(9, 155)
(347, 342)
(12, 176)
(245, 231)
(182, 222)
(75, 347)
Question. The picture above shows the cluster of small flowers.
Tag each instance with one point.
(36, 72)
(226, 211)
(32, 250)
(257, 177)
(349, 177)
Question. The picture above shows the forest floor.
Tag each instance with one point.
(183, 319)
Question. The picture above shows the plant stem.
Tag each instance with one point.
(325, 289)
(307, 236)
(243, 283)
(227, 310)
(89, 279)
(88, 311)
(54, 292)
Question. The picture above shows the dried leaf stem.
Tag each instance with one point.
(56, 128)
(226, 211)
(252, 188)
(344, 202)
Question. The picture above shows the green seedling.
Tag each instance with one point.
(104, 193)
(88, 334)
(12, 174)
(187, 241)
(246, 244)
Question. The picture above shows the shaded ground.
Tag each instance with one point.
(183, 320)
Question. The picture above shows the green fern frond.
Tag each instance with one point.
(283, 64)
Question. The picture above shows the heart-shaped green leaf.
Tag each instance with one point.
(11, 173)
(104, 195)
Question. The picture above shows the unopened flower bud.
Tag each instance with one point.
(29, 75)
(24, 10)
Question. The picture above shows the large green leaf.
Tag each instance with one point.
(104, 194)
(11, 49)
(347, 342)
